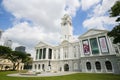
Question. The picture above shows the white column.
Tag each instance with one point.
(47, 53)
(90, 47)
(36, 66)
(38, 54)
(61, 53)
(53, 54)
(110, 45)
(81, 49)
(40, 67)
(42, 54)
(33, 67)
(99, 46)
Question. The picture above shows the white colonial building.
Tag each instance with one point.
(93, 52)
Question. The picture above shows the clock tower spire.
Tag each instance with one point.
(66, 28)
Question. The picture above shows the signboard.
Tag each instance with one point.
(86, 48)
(94, 46)
(103, 45)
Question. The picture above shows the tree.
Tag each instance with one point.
(4, 51)
(14, 56)
(28, 62)
(115, 32)
(17, 58)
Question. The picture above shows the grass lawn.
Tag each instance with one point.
(77, 76)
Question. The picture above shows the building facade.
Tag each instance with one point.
(20, 48)
(93, 52)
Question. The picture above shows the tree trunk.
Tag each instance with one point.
(14, 66)
(1, 67)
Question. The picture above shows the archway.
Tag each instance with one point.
(66, 67)
(108, 65)
(88, 65)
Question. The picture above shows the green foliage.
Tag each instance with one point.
(115, 10)
(4, 51)
(115, 33)
(77, 76)
(20, 55)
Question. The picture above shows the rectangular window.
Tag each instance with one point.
(86, 48)
(50, 54)
(103, 44)
(44, 53)
(74, 51)
(58, 55)
(40, 54)
(36, 54)
(94, 46)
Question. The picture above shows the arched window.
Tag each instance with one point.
(88, 65)
(108, 65)
(98, 65)
(39, 66)
(66, 67)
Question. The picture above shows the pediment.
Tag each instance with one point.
(92, 32)
(64, 42)
(41, 44)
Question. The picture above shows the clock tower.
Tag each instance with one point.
(66, 28)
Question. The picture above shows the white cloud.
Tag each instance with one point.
(72, 6)
(24, 34)
(38, 11)
(87, 4)
(101, 22)
(44, 16)
(101, 9)
(98, 17)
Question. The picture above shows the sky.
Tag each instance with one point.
(27, 22)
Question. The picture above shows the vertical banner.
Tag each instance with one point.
(94, 46)
(103, 45)
(86, 47)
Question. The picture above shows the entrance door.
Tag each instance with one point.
(66, 67)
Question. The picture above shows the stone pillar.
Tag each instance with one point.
(115, 66)
(103, 67)
(38, 54)
(42, 54)
(90, 47)
(93, 66)
(33, 67)
(47, 53)
(37, 67)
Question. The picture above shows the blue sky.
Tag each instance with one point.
(5, 18)
(26, 22)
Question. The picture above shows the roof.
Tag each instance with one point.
(93, 32)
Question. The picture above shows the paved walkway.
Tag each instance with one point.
(44, 74)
